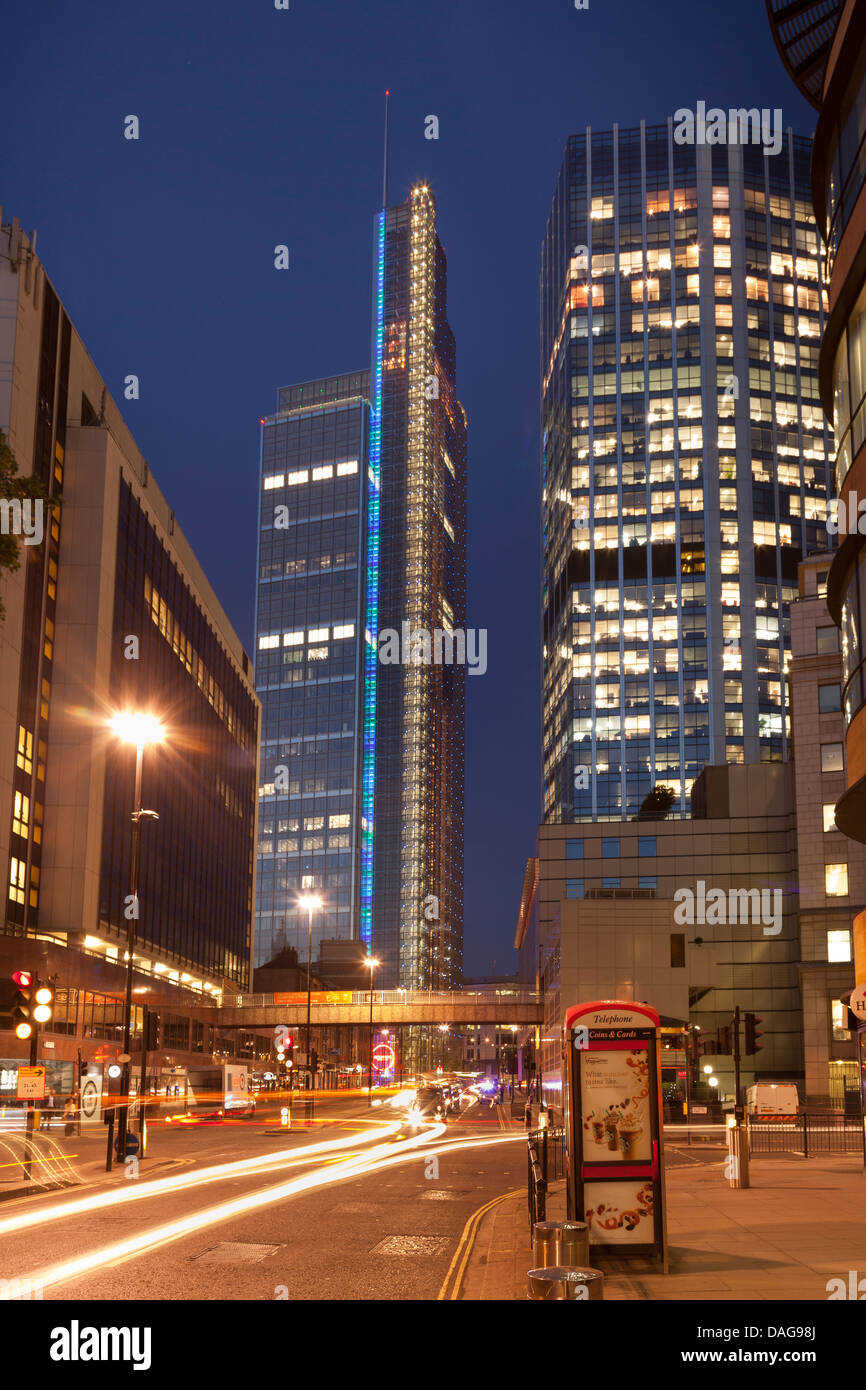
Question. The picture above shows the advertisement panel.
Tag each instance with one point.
(614, 1138)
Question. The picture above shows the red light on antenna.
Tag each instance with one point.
(261, 422)
(387, 93)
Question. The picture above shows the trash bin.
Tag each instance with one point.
(574, 1244)
(546, 1244)
(564, 1283)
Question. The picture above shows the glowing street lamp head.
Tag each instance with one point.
(371, 962)
(136, 728)
(310, 900)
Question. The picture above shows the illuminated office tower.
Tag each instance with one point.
(363, 534)
(309, 660)
(685, 463)
(412, 865)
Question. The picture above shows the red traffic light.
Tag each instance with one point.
(23, 979)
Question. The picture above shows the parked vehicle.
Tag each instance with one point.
(771, 1102)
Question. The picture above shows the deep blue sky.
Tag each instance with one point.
(261, 127)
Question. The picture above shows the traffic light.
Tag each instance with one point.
(151, 1030)
(23, 1004)
(44, 1006)
(753, 1032)
(724, 1040)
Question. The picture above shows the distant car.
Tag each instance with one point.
(455, 1096)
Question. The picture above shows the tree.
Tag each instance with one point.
(12, 488)
(657, 803)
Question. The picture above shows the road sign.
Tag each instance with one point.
(90, 1093)
(31, 1083)
(857, 1003)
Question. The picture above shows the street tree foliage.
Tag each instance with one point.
(657, 803)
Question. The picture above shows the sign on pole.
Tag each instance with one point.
(31, 1083)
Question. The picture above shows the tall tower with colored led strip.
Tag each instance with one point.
(415, 741)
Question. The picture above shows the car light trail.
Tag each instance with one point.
(211, 1216)
(159, 1186)
(379, 1158)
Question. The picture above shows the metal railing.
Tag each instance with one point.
(809, 1135)
(546, 1163)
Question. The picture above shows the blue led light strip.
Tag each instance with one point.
(371, 608)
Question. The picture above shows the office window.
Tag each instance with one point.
(827, 639)
(574, 849)
(839, 1014)
(829, 698)
(821, 579)
(21, 814)
(610, 848)
(610, 882)
(832, 757)
(647, 881)
(646, 845)
(574, 887)
(839, 945)
(678, 950)
(836, 880)
(829, 809)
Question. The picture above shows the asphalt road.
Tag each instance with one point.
(389, 1234)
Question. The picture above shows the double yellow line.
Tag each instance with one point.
(457, 1268)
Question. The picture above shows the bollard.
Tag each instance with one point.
(737, 1163)
(561, 1283)
(546, 1244)
(574, 1244)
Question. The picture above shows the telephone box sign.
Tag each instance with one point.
(614, 1135)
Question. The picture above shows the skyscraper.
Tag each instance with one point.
(685, 457)
(309, 658)
(362, 550)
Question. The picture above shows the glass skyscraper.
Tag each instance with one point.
(685, 459)
(362, 544)
(309, 652)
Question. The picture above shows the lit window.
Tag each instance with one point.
(317, 653)
(339, 821)
(838, 945)
(829, 809)
(25, 750)
(325, 471)
(350, 466)
(293, 639)
(448, 527)
(21, 814)
(832, 757)
(300, 476)
(836, 880)
(266, 643)
(273, 480)
(347, 630)
(16, 880)
(317, 634)
(840, 1018)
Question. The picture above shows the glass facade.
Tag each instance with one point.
(685, 460)
(197, 864)
(417, 862)
(309, 648)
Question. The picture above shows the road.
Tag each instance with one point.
(353, 1207)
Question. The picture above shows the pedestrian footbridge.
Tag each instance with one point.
(389, 1007)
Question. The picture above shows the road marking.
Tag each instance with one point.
(464, 1248)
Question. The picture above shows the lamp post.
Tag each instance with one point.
(443, 1029)
(371, 964)
(311, 901)
(140, 730)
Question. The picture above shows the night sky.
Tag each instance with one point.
(261, 127)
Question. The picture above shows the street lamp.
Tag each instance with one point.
(141, 730)
(311, 901)
(371, 964)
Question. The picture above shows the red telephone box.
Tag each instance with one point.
(615, 1165)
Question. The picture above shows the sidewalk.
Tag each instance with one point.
(802, 1222)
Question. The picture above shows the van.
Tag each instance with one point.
(769, 1102)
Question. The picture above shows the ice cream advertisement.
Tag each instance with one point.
(615, 1106)
(620, 1213)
